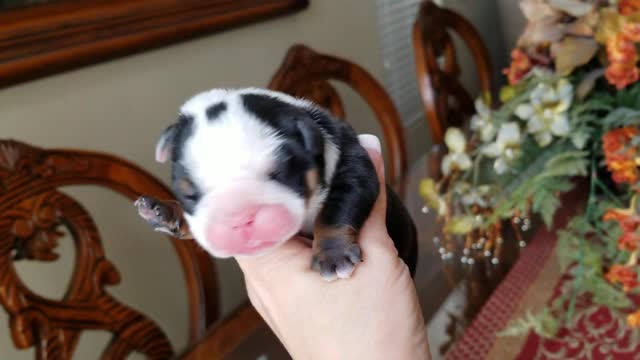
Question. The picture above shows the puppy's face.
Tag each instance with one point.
(248, 167)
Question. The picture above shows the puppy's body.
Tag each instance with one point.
(252, 167)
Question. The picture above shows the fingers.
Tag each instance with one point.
(371, 143)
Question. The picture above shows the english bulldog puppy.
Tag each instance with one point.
(251, 168)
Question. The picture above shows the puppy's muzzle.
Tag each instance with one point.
(249, 218)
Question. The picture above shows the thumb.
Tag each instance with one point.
(377, 219)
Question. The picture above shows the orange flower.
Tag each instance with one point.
(626, 7)
(631, 31)
(628, 241)
(620, 156)
(622, 55)
(521, 64)
(633, 319)
(629, 223)
(623, 275)
(620, 49)
(621, 75)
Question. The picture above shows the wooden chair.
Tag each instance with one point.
(31, 213)
(446, 102)
(306, 73)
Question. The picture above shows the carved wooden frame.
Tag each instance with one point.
(31, 211)
(445, 101)
(45, 39)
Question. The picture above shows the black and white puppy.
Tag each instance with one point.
(251, 168)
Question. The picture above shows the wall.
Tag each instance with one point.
(121, 106)
(485, 17)
(512, 20)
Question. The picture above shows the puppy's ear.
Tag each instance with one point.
(312, 138)
(165, 144)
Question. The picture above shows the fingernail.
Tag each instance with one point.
(370, 142)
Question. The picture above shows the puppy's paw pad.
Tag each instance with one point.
(337, 262)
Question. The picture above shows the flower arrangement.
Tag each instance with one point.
(571, 110)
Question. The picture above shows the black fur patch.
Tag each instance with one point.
(215, 110)
(188, 201)
(304, 148)
(291, 166)
(275, 113)
(183, 131)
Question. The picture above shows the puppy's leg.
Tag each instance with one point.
(353, 192)
(163, 216)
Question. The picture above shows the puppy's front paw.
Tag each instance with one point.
(337, 261)
(162, 216)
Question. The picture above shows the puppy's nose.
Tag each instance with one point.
(250, 229)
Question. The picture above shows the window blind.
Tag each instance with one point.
(395, 21)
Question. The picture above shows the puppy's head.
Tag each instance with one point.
(245, 166)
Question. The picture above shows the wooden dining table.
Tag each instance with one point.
(439, 283)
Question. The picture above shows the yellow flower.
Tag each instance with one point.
(430, 193)
(460, 225)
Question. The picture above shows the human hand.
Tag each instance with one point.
(375, 314)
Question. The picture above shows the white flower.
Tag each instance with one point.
(473, 195)
(546, 113)
(457, 158)
(506, 147)
(481, 121)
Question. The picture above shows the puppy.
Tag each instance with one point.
(251, 168)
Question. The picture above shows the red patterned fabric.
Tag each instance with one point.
(495, 314)
(596, 332)
(479, 337)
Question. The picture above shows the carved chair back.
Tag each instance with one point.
(306, 73)
(446, 102)
(32, 211)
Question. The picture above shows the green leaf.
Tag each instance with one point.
(544, 323)
(544, 199)
(606, 294)
(621, 117)
(580, 137)
(629, 97)
(570, 163)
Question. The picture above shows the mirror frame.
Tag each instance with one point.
(45, 39)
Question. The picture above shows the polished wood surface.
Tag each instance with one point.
(61, 35)
(445, 101)
(438, 282)
(224, 340)
(306, 73)
(32, 211)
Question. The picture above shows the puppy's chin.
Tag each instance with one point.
(258, 250)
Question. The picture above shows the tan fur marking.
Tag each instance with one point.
(311, 178)
(179, 224)
(186, 187)
(324, 232)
